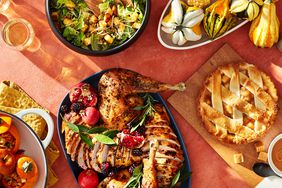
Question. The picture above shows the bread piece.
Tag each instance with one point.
(262, 156)
(238, 158)
(259, 146)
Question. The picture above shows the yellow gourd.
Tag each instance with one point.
(218, 19)
(264, 31)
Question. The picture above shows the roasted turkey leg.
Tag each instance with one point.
(117, 92)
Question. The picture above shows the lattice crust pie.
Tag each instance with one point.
(238, 103)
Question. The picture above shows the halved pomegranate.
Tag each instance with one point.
(83, 93)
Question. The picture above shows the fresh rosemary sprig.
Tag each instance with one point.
(135, 180)
(180, 176)
(148, 110)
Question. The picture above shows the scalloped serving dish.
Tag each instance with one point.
(165, 39)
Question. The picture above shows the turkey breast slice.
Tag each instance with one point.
(80, 157)
(93, 157)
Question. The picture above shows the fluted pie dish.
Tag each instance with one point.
(157, 146)
(238, 103)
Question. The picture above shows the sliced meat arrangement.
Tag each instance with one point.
(168, 157)
(159, 150)
(99, 154)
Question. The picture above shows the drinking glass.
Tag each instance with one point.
(4, 5)
(18, 34)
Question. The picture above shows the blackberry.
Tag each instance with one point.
(65, 109)
(137, 152)
(76, 107)
(112, 172)
(141, 130)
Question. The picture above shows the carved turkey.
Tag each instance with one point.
(118, 90)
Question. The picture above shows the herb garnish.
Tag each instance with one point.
(102, 134)
(148, 110)
(135, 180)
(180, 176)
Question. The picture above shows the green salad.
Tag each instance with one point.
(117, 22)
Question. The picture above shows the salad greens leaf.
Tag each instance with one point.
(122, 26)
(95, 42)
(105, 5)
(70, 33)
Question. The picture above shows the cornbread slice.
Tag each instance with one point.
(238, 158)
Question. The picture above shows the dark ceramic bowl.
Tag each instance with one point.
(94, 80)
(110, 51)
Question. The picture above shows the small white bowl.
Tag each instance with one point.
(270, 148)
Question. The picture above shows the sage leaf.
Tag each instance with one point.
(96, 130)
(111, 133)
(73, 127)
(86, 139)
(82, 128)
(104, 139)
(175, 179)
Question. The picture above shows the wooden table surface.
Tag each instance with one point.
(48, 73)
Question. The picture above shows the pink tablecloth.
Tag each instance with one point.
(48, 73)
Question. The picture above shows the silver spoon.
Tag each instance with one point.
(263, 169)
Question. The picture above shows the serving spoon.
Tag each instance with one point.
(93, 4)
(263, 169)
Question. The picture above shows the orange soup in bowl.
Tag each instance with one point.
(277, 154)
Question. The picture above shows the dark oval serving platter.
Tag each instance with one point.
(94, 80)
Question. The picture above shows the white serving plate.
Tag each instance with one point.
(165, 39)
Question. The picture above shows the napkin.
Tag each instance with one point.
(14, 99)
